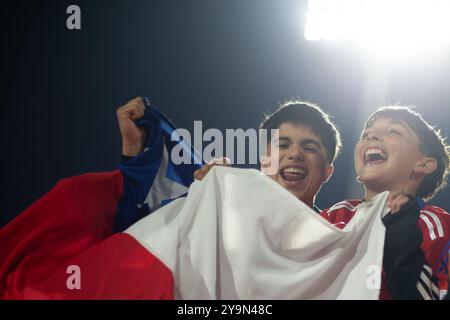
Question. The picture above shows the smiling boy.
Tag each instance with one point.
(308, 143)
(400, 152)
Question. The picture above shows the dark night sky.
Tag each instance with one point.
(221, 61)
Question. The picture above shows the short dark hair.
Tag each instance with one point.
(307, 114)
(431, 143)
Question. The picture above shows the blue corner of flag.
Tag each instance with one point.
(152, 179)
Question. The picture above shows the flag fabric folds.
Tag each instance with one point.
(236, 235)
(83, 211)
(240, 235)
(152, 179)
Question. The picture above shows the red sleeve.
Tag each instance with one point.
(435, 226)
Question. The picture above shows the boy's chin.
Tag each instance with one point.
(371, 176)
(370, 181)
(374, 185)
(365, 179)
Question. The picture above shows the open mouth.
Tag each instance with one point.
(293, 174)
(374, 156)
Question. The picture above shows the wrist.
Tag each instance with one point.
(131, 150)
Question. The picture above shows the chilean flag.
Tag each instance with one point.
(85, 214)
(237, 234)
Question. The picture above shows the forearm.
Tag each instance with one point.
(403, 258)
(131, 150)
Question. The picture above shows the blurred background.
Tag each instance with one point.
(224, 62)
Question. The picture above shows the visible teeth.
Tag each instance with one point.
(375, 151)
(294, 170)
(293, 174)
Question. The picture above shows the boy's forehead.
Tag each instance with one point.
(298, 131)
(383, 120)
(301, 133)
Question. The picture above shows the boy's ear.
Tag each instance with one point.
(426, 166)
(328, 173)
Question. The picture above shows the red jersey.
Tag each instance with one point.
(434, 224)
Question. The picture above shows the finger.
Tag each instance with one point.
(392, 202)
(227, 162)
(136, 100)
(394, 206)
(139, 111)
(402, 201)
(399, 202)
(132, 102)
(198, 174)
(223, 161)
(142, 109)
(140, 102)
(266, 164)
(135, 111)
(265, 161)
(389, 200)
(206, 168)
(393, 195)
(126, 109)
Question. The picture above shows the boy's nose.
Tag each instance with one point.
(374, 136)
(296, 155)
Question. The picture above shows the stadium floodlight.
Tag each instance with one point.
(389, 26)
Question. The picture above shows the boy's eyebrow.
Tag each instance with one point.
(282, 139)
(304, 142)
(403, 125)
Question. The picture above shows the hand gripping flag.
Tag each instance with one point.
(152, 179)
(81, 211)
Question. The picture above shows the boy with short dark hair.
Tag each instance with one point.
(303, 113)
(308, 142)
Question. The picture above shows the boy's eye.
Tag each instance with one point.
(283, 146)
(393, 131)
(310, 149)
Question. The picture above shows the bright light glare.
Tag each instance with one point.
(384, 26)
